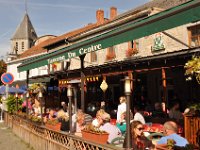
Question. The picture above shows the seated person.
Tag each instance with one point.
(158, 112)
(138, 115)
(174, 112)
(113, 131)
(82, 119)
(121, 124)
(96, 121)
(138, 140)
(170, 131)
(63, 117)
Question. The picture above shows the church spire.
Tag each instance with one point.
(24, 36)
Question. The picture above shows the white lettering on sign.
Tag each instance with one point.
(71, 54)
(90, 49)
(52, 60)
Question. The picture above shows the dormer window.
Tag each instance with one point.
(194, 36)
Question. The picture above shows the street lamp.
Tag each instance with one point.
(40, 95)
(69, 95)
(127, 90)
(16, 96)
(27, 96)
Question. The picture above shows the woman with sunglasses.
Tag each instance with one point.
(139, 141)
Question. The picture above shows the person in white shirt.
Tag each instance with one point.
(113, 131)
(121, 108)
(138, 116)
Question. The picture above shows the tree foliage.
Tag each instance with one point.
(193, 68)
(3, 67)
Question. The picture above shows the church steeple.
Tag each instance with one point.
(23, 37)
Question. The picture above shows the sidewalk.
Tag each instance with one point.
(9, 141)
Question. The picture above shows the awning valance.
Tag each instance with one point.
(176, 16)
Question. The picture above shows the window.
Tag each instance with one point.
(93, 57)
(110, 53)
(16, 47)
(22, 46)
(194, 36)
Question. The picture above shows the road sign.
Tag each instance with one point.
(7, 78)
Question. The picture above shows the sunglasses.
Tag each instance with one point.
(140, 129)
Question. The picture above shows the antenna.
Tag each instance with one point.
(25, 2)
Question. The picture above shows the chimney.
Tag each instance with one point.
(113, 12)
(100, 16)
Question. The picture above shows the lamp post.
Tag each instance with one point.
(127, 90)
(69, 95)
(40, 95)
(27, 109)
(16, 96)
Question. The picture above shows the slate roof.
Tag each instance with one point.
(39, 48)
(25, 30)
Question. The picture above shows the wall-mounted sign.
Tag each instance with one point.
(158, 42)
(75, 53)
(92, 79)
(63, 83)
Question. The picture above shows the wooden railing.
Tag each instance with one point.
(41, 138)
(191, 126)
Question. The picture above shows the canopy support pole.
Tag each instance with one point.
(82, 83)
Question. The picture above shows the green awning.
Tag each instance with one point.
(176, 16)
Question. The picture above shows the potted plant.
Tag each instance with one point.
(37, 120)
(53, 124)
(94, 134)
(11, 104)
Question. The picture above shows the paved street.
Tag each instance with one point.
(9, 141)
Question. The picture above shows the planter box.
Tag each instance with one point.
(95, 137)
(53, 127)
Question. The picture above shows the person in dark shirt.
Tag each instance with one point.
(63, 117)
(158, 112)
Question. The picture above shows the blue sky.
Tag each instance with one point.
(54, 17)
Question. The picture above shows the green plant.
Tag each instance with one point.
(192, 68)
(52, 122)
(11, 104)
(36, 119)
(92, 129)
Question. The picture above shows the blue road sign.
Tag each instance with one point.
(7, 78)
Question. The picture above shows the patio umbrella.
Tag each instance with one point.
(11, 90)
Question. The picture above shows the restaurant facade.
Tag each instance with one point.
(125, 45)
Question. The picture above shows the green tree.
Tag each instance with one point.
(3, 67)
(192, 68)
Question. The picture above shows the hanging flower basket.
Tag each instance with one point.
(131, 51)
(35, 88)
(110, 56)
